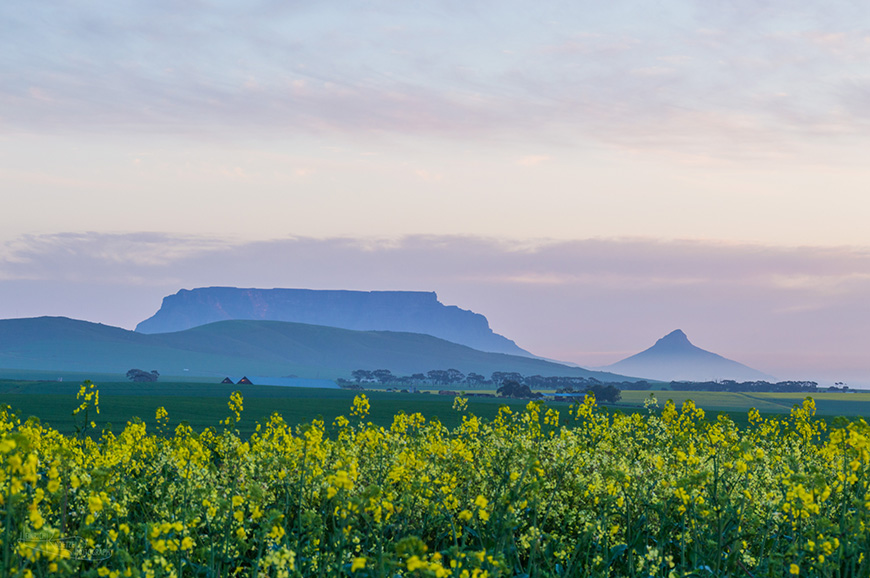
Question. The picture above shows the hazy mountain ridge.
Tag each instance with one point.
(675, 358)
(250, 347)
(407, 311)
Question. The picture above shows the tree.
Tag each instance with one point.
(474, 379)
(383, 375)
(438, 376)
(361, 374)
(455, 376)
(142, 376)
(538, 381)
(605, 393)
(512, 388)
(499, 377)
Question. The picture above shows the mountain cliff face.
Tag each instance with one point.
(674, 358)
(409, 311)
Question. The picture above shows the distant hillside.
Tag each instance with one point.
(674, 358)
(249, 347)
(409, 311)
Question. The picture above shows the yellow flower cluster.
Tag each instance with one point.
(361, 406)
(90, 398)
(666, 492)
(236, 405)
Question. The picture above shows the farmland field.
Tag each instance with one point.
(526, 491)
(828, 404)
(203, 404)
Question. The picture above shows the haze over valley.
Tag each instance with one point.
(219, 331)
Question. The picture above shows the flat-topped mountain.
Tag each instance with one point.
(407, 311)
(270, 348)
(674, 358)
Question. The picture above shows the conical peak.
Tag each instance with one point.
(673, 357)
(674, 338)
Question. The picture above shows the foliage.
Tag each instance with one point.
(511, 388)
(140, 375)
(530, 493)
(805, 387)
(605, 393)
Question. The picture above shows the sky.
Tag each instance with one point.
(588, 175)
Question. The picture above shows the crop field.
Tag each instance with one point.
(529, 490)
(713, 401)
(850, 404)
(201, 405)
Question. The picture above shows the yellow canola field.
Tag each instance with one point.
(531, 493)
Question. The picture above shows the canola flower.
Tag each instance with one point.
(530, 493)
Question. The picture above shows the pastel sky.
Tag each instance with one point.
(589, 175)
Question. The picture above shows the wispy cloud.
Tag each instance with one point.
(89, 258)
(602, 263)
(693, 75)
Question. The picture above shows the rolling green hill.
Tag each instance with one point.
(249, 347)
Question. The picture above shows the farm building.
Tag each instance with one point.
(287, 382)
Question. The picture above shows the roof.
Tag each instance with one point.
(291, 382)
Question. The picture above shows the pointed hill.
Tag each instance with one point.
(675, 358)
(269, 348)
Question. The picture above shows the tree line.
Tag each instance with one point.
(508, 383)
(472, 379)
(570, 384)
(756, 386)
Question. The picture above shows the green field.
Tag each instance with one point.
(827, 404)
(203, 405)
(603, 494)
